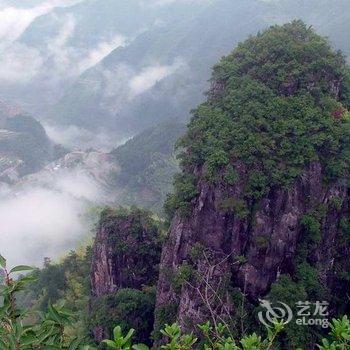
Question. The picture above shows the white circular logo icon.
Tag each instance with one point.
(278, 312)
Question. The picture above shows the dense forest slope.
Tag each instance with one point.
(146, 165)
(261, 205)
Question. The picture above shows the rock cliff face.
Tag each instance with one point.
(126, 251)
(126, 254)
(263, 193)
(268, 240)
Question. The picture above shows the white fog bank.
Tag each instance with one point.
(49, 213)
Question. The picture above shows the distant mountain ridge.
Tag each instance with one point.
(24, 146)
(172, 62)
(60, 45)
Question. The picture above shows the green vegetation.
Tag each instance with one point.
(135, 236)
(20, 330)
(147, 164)
(304, 283)
(342, 267)
(279, 102)
(25, 329)
(128, 308)
(183, 274)
(185, 187)
(290, 292)
(238, 207)
(68, 279)
(65, 283)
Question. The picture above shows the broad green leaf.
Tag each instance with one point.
(45, 334)
(53, 313)
(110, 344)
(2, 261)
(74, 345)
(28, 339)
(140, 347)
(21, 268)
(128, 336)
(117, 332)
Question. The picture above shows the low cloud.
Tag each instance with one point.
(46, 215)
(58, 62)
(123, 82)
(57, 48)
(149, 76)
(101, 51)
(14, 20)
(39, 222)
(19, 64)
(77, 138)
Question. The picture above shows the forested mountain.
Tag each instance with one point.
(124, 293)
(139, 172)
(146, 165)
(97, 19)
(158, 56)
(164, 71)
(261, 208)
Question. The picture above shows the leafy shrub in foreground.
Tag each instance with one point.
(26, 330)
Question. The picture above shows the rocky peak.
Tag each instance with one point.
(126, 255)
(263, 196)
(126, 251)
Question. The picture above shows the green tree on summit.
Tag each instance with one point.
(279, 102)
